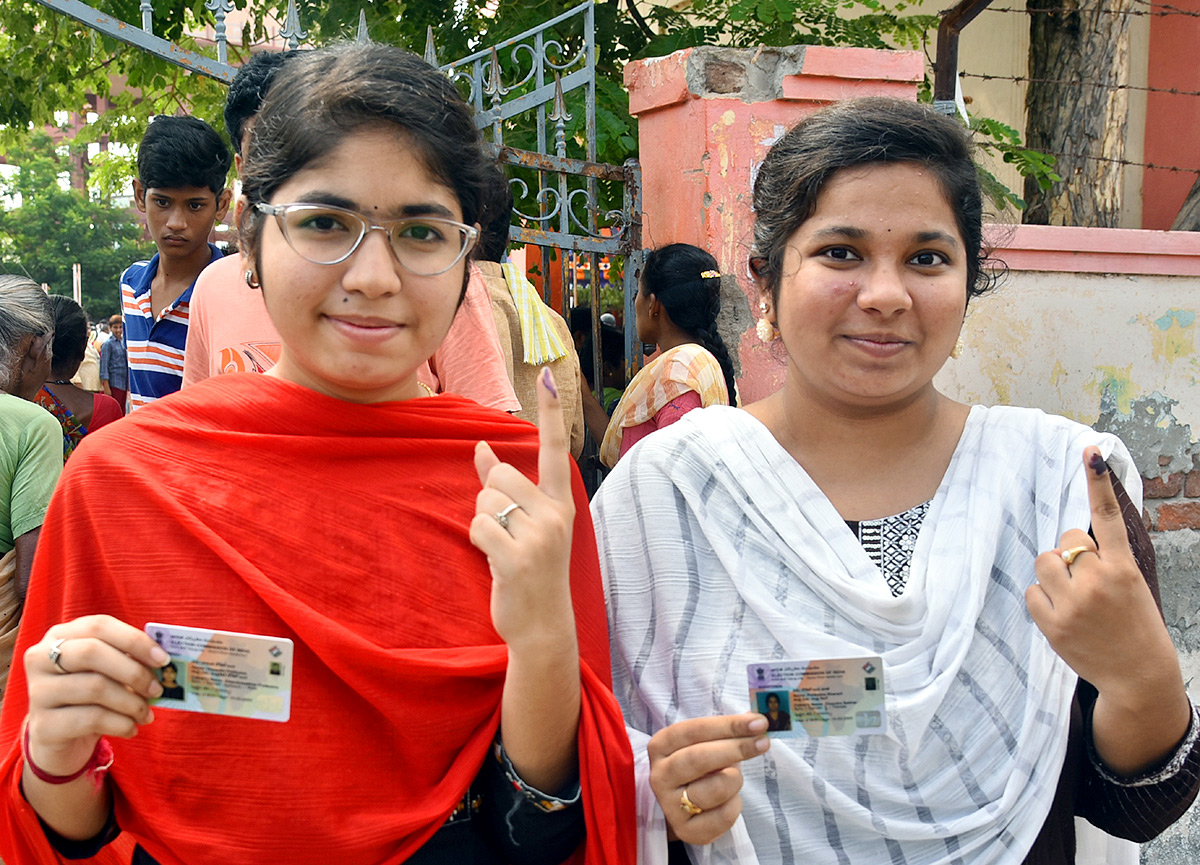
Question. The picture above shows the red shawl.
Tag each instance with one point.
(250, 504)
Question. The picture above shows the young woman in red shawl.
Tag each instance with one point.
(450, 693)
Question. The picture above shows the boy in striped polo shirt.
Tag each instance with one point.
(182, 166)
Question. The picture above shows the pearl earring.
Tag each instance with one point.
(765, 329)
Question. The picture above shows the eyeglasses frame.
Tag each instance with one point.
(279, 211)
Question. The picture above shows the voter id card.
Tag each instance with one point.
(822, 697)
(224, 673)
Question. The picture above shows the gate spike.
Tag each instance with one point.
(221, 8)
(291, 30)
(363, 36)
(495, 86)
(430, 51)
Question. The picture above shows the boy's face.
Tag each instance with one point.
(180, 218)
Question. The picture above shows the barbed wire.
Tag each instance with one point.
(1128, 162)
(985, 77)
(1133, 13)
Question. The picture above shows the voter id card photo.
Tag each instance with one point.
(822, 697)
(224, 673)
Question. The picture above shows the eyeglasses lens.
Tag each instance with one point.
(328, 235)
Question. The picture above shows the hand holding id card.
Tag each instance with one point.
(224, 673)
(823, 697)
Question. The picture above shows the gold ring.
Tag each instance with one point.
(688, 805)
(56, 655)
(1069, 556)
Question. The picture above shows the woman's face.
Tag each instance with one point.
(772, 703)
(358, 330)
(169, 676)
(873, 289)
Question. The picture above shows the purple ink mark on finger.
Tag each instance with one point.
(548, 381)
(1096, 463)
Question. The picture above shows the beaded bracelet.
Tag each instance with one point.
(97, 766)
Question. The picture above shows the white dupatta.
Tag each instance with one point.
(719, 551)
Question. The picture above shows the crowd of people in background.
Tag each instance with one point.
(354, 439)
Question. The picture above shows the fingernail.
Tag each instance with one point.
(149, 715)
(155, 690)
(758, 725)
(762, 744)
(158, 656)
(1096, 463)
(548, 381)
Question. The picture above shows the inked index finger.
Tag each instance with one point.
(1108, 526)
(554, 458)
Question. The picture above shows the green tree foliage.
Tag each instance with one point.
(84, 63)
(55, 228)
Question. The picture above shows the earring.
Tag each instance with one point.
(251, 281)
(765, 329)
(957, 351)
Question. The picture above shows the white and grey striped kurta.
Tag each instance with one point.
(719, 551)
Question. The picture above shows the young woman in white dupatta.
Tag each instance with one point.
(858, 512)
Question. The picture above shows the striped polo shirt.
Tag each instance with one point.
(155, 346)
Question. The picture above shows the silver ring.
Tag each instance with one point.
(502, 516)
(56, 654)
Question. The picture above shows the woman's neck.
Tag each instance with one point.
(870, 462)
(670, 337)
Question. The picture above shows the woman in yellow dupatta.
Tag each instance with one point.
(677, 305)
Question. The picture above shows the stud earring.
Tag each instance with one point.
(251, 281)
(765, 329)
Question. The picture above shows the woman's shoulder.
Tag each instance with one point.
(688, 358)
(19, 414)
(694, 444)
(1033, 423)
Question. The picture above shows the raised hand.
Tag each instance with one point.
(700, 758)
(1100, 617)
(525, 530)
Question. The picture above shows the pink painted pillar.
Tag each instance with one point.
(706, 118)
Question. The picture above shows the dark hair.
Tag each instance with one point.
(581, 319)
(860, 132)
(248, 89)
(182, 151)
(497, 216)
(612, 350)
(673, 274)
(320, 97)
(170, 665)
(70, 335)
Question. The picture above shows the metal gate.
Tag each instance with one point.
(574, 210)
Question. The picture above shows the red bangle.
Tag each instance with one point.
(97, 766)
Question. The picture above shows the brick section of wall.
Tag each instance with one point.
(1172, 503)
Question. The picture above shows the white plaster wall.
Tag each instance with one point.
(1060, 341)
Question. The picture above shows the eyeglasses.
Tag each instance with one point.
(324, 234)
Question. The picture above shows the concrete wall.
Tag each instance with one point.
(1095, 324)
